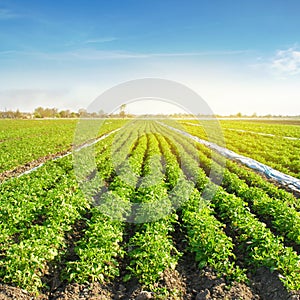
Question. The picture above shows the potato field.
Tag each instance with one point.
(145, 212)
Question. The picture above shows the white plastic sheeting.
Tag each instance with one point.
(70, 152)
(40, 165)
(284, 179)
(265, 134)
(253, 132)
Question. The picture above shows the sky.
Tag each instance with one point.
(239, 56)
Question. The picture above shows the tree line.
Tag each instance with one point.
(41, 112)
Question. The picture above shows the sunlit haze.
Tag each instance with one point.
(238, 56)
(152, 107)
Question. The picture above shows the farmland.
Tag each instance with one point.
(146, 214)
(263, 142)
(29, 143)
(24, 141)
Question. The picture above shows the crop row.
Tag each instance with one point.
(277, 129)
(99, 249)
(262, 247)
(27, 143)
(23, 199)
(151, 249)
(280, 212)
(266, 150)
(33, 233)
(25, 260)
(155, 179)
(205, 234)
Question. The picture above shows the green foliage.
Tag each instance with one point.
(157, 178)
(262, 142)
(23, 141)
(262, 247)
(152, 252)
(98, 251)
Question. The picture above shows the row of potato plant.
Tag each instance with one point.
(266, 150)
(262, 247)
(285, 219)
(20, 200)
(100, 249)
(36, 236)
(151, 249)
(205, 234)
(23, 199)
(252, 178)
(42, 138)
(281, 213)
(25, 260)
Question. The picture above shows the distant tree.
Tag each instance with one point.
(64, 114)
(94, 114)
(38, 112)
(9, 114)
(18, 114)
(122, 111)
(41, 112)
(74, 115)
(50, 112)
(82, 112)
(101, 113)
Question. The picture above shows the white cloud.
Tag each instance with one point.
(100, 40)
(93, 54)
(286, 62)
(283, 64)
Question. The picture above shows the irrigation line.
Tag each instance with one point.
(253, 132)
(85, 145)
(281, 178)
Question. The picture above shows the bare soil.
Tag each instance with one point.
(184, 283)
(30, 165)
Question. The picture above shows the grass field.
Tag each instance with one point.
(146, 215)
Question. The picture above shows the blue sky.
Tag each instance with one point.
(238, 55)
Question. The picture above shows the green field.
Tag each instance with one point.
(276, 145)
(146, 208)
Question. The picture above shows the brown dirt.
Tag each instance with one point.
(205, 284)
(75, 292)
(269, 286)
(28, 166)
(9, 292)
(186, 283)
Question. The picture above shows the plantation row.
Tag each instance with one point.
(281, 212)
(23, 141)
(262, 246)
(265, 149)
(285, 129)
(157, 180)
